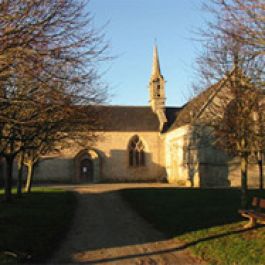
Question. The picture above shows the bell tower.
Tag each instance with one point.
(157, 90)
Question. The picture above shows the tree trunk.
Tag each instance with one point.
(9, 178)
(244, 178)
(30, 171)
(260, 164)
(19, 177)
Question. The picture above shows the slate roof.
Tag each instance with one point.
(194, 107)
(171, 114)
(142, 118)
(133, 118)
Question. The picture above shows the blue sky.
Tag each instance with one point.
(132, 27)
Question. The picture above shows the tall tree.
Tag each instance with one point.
(237, 74)
(244, 21)
(48, 63)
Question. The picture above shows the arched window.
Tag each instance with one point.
(136, 152)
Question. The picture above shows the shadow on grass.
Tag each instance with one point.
(176, 211)
(32, 227)
(37, 223)
(172, 249)
(105, 226)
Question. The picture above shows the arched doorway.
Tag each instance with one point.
(87, 166)
(86, 170)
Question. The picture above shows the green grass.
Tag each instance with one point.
(36, 223)
(207, 221)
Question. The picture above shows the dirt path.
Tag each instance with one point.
(107, 231)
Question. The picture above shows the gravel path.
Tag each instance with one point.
(107, 231)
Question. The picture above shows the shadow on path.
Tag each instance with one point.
(107, 230)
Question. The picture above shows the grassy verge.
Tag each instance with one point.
(207, 220)
(36, 224)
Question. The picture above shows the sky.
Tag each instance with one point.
(132, 28)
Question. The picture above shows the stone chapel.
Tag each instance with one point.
(147, 144)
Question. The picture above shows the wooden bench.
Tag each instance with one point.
(256, 214)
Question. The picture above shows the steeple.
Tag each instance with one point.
(157, 90)
(156, 65)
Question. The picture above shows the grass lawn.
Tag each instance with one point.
(206, 220)
(35, 224)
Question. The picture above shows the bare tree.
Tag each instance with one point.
(244, 22)
(235, 79)
(247, 17)
(80, 129)
(48, 55)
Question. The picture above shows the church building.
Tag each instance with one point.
(152, 143)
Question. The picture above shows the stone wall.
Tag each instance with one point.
(175, 168)
(202, 165)
(55, 169)
(113, 164)
(166, 157)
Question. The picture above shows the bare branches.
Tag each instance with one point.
(241, 20)
(233, 58)
(48, 73)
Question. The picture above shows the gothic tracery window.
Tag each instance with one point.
(136, 152)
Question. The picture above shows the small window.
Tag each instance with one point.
(136, 152)
(158, 90)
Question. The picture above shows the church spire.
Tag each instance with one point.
(157, 90)
(156, 65)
